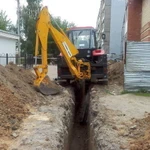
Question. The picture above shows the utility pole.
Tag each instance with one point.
(18, 27)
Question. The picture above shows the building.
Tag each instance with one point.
(136, 45)
(138, 20)
(7, 46)
(103, 25)
(136, 24)
(109, 25)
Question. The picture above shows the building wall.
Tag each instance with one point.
(7, 46)
(109, 22)
(138, 20)
(145, 22)
(124, 28)
(117, 16)
(103, 24)
(134, 20)
(99, 26)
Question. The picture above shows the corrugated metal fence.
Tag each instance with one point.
(137, 67)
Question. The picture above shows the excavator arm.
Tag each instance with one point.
(78, 68)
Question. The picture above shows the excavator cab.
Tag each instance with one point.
(84, 39)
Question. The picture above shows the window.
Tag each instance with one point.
(83, 39)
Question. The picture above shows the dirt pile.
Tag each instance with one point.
(16, 92)
(29, 120)
(11, 111)
(141, 133)
(115, 72)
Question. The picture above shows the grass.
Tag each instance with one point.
(138, 93)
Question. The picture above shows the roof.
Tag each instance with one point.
(8, 35)
(79, 28)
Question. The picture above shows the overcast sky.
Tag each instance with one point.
(81, 12)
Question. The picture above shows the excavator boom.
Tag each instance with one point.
(78, 68)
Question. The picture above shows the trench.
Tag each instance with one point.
(79, 139)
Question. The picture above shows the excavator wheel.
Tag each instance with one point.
(47, 87)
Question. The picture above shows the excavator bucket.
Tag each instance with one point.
(47, 87)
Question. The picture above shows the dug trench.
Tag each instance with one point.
(79, 134)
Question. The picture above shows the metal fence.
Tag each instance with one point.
(27, 60)
(137, 67)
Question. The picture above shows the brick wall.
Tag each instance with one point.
(145, 22)
(134, 20)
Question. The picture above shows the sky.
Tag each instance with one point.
(81, 12)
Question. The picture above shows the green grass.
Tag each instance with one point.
(143, 94)
(138, 93)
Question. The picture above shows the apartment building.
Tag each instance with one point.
(109, 25)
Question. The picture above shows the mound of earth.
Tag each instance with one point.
(12, 111)
(116, 72)
(16, 93)
(141, 140)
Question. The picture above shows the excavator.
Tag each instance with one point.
(79, 56)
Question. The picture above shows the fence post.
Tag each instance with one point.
(6, 58)
(17, 58)
(25, 61)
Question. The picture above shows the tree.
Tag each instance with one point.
(29, 16)
(5, 23)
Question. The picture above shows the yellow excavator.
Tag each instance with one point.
(79, 69)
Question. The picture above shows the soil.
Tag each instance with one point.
(142, 134)
(116, 72)
(13, 97)
(119, 121)
(27, 117)
(29, 120)
(79, 139)
(11, 111)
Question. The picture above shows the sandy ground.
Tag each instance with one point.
(119, 121)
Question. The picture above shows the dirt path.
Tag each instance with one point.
(118, 121)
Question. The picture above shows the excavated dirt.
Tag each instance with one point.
(13, 97)
(29, 120)
(141, 134)
(11, 111)
(116, 72)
